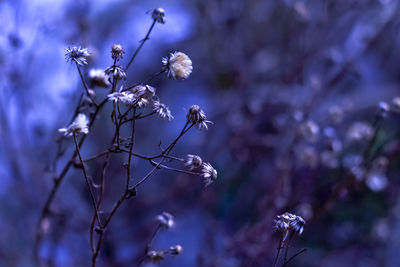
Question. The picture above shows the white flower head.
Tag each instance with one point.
(79, 126)
(77, 54)
(166, 220)
(197, 116)
(209, 173)
(122, 97)
(162, 110)
(178, 65)
(158, 14)
(193, 161)
(98, 78)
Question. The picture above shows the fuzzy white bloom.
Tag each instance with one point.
(122, 97)
(77, 54)
(209, 173)
(166, 220)
(162, 110)
(98, 78)
(193, 161)
(288, 222)
(79, 126)
(178, 65)
(197, 116)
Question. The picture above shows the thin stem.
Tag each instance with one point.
(287, 247)
(165, 152)
(57, 182)
(85, 85)
(145, 81)
(99, 200)
(141, 45)
(279, 251)
(146, 250)
(87, 180)
(128, 170)
(294, 256)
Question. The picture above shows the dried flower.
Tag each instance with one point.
(197, 116)
(162, 110)
(209, 173)
(78, 126)
(155, 256)
(77, 54)
(158, 14)
(175, 250)
(166, 220)
(178, 65)
(98, 78)
(122, 97)
(117, 72)
(360, 131)
(192, 162)
(289, 222)
(117, 52)
(143, 94)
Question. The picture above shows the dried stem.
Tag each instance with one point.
(87, 180)
(85, 85)
(278, 251)
(141, 44)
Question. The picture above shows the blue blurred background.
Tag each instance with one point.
(292, 87)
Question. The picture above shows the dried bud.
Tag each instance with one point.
(158, 14)
(209, 173)
(178, 65)
(197, 116)
(155, 256)
(192, 162)
(175, 250)
(117, 72)
(98, 78)
(117, 52)
(166, 220)
(162, 110)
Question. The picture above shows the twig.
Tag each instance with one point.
(87, 180)
(294, 256)
(141, 45)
